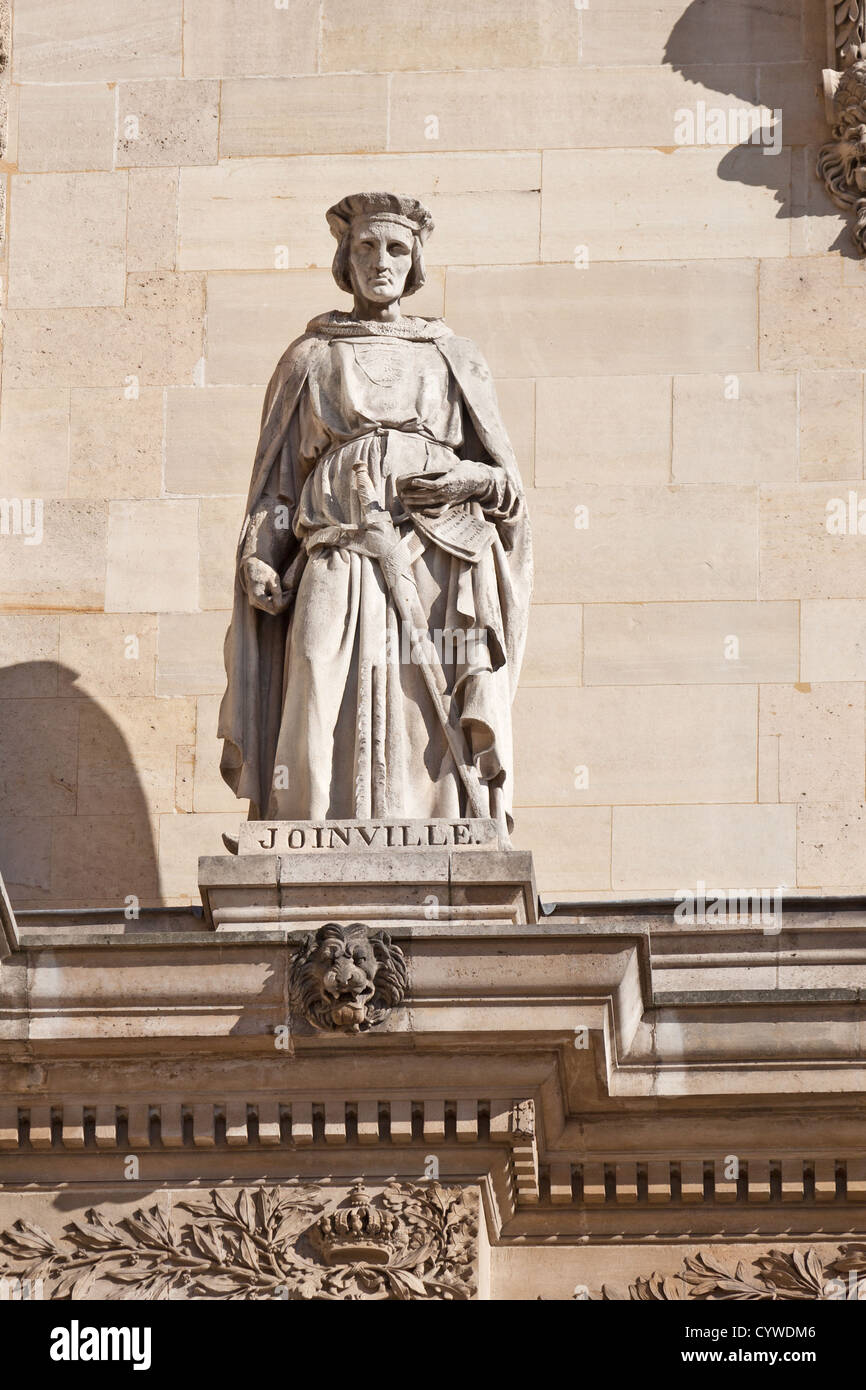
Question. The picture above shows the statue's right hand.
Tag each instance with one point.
(263, 586)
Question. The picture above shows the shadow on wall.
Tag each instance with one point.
(74, 824)
(754, 53)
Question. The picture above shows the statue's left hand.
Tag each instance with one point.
(460, 484)
(263, 587)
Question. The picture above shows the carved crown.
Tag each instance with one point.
(356, 1232)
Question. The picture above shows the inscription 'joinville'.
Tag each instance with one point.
(285, 835)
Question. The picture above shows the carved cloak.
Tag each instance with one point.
(255, 646)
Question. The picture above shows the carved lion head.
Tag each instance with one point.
(347, 979)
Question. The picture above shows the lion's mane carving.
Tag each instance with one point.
(842, 161)
(347, 979)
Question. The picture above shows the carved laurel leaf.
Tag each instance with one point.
(246, 1210)
(406, 1284)
(150, 1229)
(65, 1284)
(849, 17)
(778, 1275)
(206, 1239)
(248, 1253)
(657, 1288)
(219, 1286)
(708, 1278)
(287, 1225)
(793, 1274)
(95, 1233)
(26, 1239)
(223, 1205)
(157, 1288)
(82, 1285)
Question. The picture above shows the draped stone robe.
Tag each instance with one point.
(326, 714)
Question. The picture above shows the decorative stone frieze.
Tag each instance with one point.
(842, 161)
(5, 60)
(847, 20)
(408, 1242)
(776, 1276)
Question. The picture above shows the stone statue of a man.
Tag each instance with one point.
(384, 566)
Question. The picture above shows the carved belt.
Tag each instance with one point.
(381, 432)
(461, 531)
(353, 538)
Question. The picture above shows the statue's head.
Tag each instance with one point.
(380, 237)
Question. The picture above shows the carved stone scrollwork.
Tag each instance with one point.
(849, 22)
(842, 161)
(5, 48)
(412, 1242)
(347, 979)
(780, 1274)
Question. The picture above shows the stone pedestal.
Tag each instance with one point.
(304, 874)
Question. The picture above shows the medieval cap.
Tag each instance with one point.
(392, 206)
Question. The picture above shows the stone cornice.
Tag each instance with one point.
(662, 997)
(649, 1049)
(494, 1142)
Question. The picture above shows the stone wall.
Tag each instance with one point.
(676, 331)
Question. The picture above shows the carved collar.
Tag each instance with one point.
(338, 324)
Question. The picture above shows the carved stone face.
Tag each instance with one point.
(851, 149)
(380, 258)
(348, 969)
(842, 161)
(849, 112)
